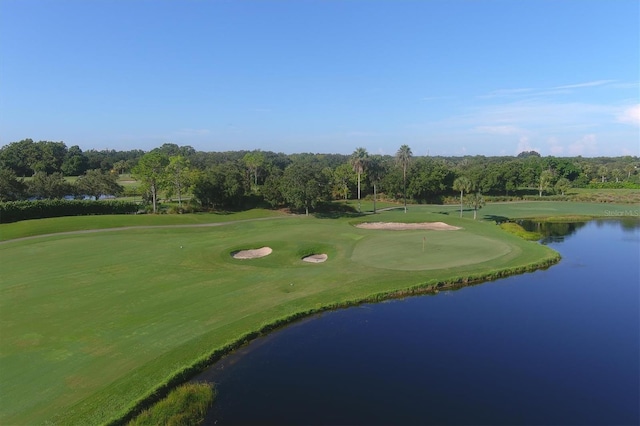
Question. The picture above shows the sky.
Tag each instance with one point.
(446, 77)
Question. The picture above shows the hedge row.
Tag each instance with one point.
(613, 185)
(13, 211)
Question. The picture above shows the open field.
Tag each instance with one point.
(91, 323)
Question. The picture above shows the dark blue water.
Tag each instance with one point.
(554, 347)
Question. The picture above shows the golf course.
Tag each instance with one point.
(100, 313)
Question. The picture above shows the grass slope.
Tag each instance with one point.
(93, 323)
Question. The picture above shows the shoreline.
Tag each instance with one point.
(433, 288)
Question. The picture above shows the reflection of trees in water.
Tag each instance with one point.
(630, 224)
(552, 231)
(558, 231)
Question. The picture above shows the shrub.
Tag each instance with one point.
(13, 211)
(186, 405)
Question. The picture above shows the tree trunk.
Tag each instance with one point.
(359, 207)
(374, 198)
(306, 209)
(404, 187)
(461, 193)
(153, 196)
(475, 211)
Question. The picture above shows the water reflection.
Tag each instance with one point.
(552, 232)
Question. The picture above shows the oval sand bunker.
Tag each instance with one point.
(394, 226)
(252, 254)
(316, 258)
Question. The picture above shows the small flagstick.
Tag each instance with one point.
(423, 241)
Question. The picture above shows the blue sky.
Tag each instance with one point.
(446, 77)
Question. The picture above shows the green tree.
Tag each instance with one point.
(11, 188)
(375, 172)
(304, 184)
(429, 179)
(630, 168)
(476, 201)
(358, 161)
(617, 174)
(223, 185)
(75, 162)
(179, 177)
(462, 184)
(343, 181)
(563, 185)
(403, 158)
(18, 157)
(603, 172)
(96, 183)
(151, 171)
(254, 162)
(271, 189)
(121, 166)
(43, 185)
(545, 181)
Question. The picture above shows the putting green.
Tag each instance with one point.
(425, 250)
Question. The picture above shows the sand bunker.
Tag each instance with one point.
(252, 254)
(394, 226)
(315, 258)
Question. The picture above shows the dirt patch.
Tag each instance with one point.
(395, 226)
(252, 254)
(316, 258)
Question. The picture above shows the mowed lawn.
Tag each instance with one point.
(92, 322)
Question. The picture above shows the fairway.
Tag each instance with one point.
(93, 322)
(423, 250)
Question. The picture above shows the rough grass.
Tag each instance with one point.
(94, 324)
(184, 406)
(518, 230)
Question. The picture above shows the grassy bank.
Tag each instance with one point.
(185, 405)
(122, 315)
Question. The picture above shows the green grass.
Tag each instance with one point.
(539, 209)
(9, 231)
(184, 406)
(94, 324)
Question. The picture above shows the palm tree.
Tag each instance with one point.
(475, 200)
(375, 173)
(359, 160)
(462, 184)
(403, 157)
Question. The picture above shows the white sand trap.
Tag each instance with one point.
(252, 254)
(316, 258)
(394, 226)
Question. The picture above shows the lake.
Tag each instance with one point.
(559, 346)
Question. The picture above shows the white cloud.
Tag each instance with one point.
(499, 130)
(586, 146)
(554, 146)
(630, 115)
(587, 84)
(524, 145)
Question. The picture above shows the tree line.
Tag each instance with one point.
(237, 179)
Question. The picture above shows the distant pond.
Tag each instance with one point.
(554, 347)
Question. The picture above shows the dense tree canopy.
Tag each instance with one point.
(301, 181)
